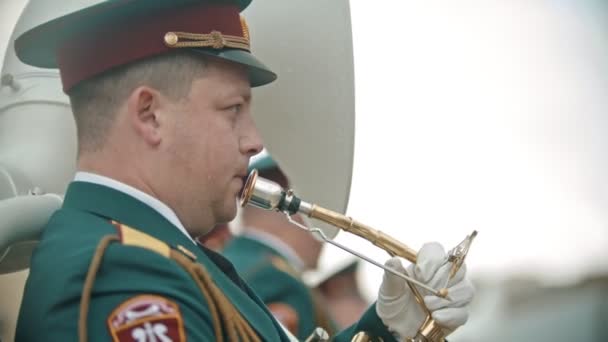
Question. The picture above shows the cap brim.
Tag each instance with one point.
(259, 74)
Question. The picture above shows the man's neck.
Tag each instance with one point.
(138, 194)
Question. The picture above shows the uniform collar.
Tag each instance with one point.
(152, 202)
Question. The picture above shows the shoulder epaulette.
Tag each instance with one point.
(284, 266)
(224, 315)
(133, 237)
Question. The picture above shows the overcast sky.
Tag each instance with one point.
(480, 114)
(488, 115)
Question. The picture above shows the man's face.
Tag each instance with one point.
(210, 142)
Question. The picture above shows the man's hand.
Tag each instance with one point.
(397, 306)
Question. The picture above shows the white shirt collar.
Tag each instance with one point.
(154, 203)
(278, 245)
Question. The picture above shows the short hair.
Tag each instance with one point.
(95, 101)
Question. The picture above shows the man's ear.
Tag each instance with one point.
(143, 106)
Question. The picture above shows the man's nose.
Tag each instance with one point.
(251, 142)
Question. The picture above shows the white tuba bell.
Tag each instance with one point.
(37, 150)
(307, 116)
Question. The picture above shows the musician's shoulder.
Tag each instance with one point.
(128, 280)
(255, 260)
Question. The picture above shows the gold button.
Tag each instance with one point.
(171, 39)
(186, 252)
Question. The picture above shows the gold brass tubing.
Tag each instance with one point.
(378, 238)
(361, 336)
(430, 329)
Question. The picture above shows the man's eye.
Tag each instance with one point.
(236, 108)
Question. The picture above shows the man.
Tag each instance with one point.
(217, 238)
(160, 90)
(271, 254)
(337, 281)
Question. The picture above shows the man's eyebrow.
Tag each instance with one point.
(247, 96)
(245, 93)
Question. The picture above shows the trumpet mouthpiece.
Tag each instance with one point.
(268, 195)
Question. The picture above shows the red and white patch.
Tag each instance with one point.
(147, 318)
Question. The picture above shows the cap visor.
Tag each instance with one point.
(259, 74)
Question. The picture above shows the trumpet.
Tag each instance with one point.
(269, 195)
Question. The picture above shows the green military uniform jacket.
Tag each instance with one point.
(50, 306)
(274, 280)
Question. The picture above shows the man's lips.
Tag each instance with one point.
(242, 176)
(243, 180)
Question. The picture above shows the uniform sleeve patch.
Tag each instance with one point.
(147, 318)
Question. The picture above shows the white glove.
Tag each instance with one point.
(397, 306)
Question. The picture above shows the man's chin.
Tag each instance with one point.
(228, 214)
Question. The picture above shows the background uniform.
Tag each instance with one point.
(278, 283)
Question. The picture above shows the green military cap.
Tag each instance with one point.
(88, 42)
(268, 168)
(262, 162)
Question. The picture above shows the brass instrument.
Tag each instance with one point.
(269, 195)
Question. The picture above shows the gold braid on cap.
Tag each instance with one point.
(245, 28)
(214, 39)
